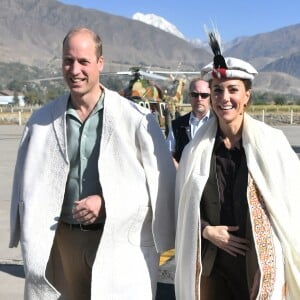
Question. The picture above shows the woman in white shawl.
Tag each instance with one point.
(237, 199)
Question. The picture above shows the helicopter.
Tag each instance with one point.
(141, 86)
(143, 89)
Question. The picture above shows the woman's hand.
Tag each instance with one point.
(221, 237)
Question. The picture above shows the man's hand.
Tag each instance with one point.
(221, 237)
(87, 210)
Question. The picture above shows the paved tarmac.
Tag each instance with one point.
(11, 267)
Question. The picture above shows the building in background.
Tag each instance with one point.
(9, 98)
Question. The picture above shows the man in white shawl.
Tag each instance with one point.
(93, 192)
(237, 199)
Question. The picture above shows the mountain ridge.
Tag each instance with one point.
(41, 25)
(32, 32)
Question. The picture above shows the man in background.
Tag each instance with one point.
(177, 112)
(185, 127)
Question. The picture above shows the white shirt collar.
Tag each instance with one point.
(194, 119)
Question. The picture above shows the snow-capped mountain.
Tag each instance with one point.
(163, 24)
(158, 22)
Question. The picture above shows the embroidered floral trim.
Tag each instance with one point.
(264, 242)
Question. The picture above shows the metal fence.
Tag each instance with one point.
(20, 115)
(277, 118)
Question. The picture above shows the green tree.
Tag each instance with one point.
(15, 85)
(32, 98)
(16, 98)
(279, 100)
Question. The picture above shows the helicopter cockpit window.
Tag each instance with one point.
(171, 88)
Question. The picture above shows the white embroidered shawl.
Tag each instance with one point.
(275, 169)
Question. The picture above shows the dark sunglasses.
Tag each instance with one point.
(196, 95)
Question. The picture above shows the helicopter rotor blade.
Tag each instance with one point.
(152, 75)
(177, 72)
(45, 79)
(123, 73)
(146, 74)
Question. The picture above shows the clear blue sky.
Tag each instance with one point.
(232, 18)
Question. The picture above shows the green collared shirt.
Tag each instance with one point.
(83, 141)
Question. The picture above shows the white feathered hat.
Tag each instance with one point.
(225, 67)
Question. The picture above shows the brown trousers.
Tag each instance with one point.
(70, 264)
